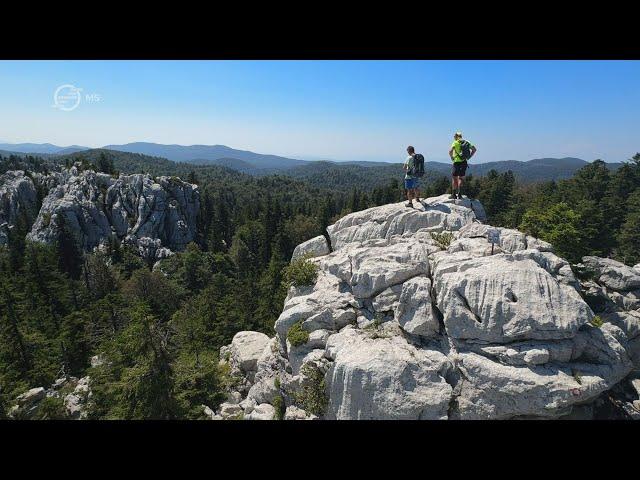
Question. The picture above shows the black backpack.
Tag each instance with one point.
(465, 150)
(418, 166)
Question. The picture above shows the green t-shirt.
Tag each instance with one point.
(457, 151)
(409, 164)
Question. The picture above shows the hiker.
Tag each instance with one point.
(414, 168)
(461, 151)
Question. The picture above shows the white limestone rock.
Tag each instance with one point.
(246, 349)
(493, 390)
(17, 197)
(264, 411)
(316, 247)
(387, 301)
(384, 378)
(370, 270)
(502, 298)
(383, 222)
(612, 274)
(415, 312)
(294, 413)
(157, 216)
(31, 397)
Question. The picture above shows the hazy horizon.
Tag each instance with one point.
(332, 110)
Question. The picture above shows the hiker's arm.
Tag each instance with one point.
(451, 153)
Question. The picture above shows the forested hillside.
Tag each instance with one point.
(161, 329)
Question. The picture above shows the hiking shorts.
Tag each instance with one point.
(410, 183)
(459, 169)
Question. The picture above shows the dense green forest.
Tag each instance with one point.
(160, 329)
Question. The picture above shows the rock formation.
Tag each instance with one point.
(75, 395)
(415, 315)
(17, 197)
(157, 216)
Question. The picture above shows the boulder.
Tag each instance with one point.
(415, 312)
(316, 247)
(295, 413)
(503, 298)
(264, 411)
(493, 390)
(385, 379)
(612, 274)
(372, 268)
(387, 301)
(435, 214)
(31, 397)
(246, 349)
(231, 411)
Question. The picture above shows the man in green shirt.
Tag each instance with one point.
(459, 157)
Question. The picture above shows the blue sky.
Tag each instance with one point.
(339, 110)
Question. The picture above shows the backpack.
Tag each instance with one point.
(418, 166)
(465, 150)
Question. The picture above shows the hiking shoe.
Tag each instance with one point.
(452, 196)
(410, 204)
(459, 196)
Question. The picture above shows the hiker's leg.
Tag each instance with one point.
(460, 179)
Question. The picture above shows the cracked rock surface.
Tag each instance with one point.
(157, 216)
(405, 325)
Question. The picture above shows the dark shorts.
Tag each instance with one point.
(459, 169)
(410, 183)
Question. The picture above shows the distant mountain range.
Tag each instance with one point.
(209, 154)
(259, 164)
(41, 148)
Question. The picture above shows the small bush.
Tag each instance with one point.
(297, 335)
(51, 408)
(597, 321)
(312, 398)
(442, 239)
(577, 376)
(300, 272)
(278, 404)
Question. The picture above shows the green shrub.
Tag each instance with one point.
(597, 321)
(577, 376)
(312, 398)
(297, 335)
(300, 272)
(278, 404)
(442, 239)
(51, 408)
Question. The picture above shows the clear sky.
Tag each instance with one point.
(339, 110)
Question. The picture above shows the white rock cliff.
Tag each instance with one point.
(403, 324)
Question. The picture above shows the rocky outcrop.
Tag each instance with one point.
(406, 322)
(73, 394)
(156, 215)
(316, 247)
(17, 197)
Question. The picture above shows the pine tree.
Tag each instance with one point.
(629, 237)
(69, 255)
